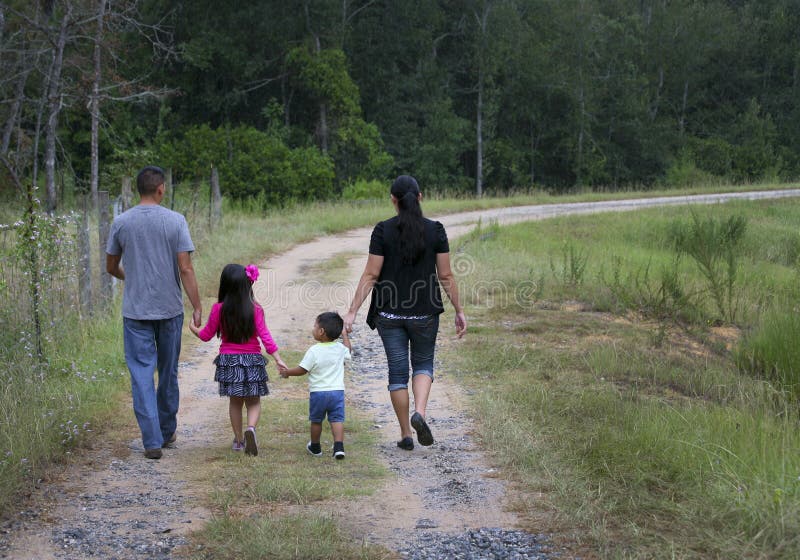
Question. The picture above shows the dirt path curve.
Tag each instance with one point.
(115, 504)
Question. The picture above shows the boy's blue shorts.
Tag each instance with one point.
(321, 403)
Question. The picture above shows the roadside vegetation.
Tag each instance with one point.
(638, 373)
(51, 408)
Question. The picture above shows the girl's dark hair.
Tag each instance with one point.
(236, 297)
(409, 219)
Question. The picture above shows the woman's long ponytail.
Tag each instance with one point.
(410, 222)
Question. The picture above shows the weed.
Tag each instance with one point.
(663, 297)
(714, 245)
(572, 266)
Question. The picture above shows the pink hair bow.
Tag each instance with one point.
(252, 272)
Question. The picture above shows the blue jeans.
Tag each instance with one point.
(150, 345)
(408, 337)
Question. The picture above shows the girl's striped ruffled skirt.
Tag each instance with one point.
(241, 375)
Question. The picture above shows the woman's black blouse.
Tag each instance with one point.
(408, 289)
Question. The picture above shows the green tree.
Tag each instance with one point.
(755, 151)
(355, 145)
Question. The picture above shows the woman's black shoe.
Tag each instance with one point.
(424, 435)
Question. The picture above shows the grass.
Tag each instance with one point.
(642, 433)
(291, 475)
(313, 536)
(765, 273)
(772, 348)
(331, 270)
(49, 410)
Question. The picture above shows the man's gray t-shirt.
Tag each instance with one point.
(149, 238)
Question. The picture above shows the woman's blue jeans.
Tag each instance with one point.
(151, 345)
(404, 338)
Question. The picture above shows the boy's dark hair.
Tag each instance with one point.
(332, 323)
(148, 179)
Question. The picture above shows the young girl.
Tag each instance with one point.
(241, 369)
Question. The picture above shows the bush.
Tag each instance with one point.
(252, 163)
(365, 190)
(684, 172)
(358, 152)
(572, 266)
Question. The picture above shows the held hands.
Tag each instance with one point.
(197, 317)
(349, 319)
(282, 367)
(195, 328)
(282, 370)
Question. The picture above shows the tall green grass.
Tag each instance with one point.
(648, 472)
(46, 411)
(772, 349)
(642, 431)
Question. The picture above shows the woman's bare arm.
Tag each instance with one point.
(368, 278)
(448, 282)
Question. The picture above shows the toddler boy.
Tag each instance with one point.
(324, 364)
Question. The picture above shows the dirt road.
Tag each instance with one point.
(116, 504)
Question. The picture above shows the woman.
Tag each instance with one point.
(409, 258)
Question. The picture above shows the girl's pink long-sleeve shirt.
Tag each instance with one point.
(249, 347)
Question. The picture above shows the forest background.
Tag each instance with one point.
(308, 99)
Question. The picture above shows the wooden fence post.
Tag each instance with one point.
(103, 229)
(85, 249)
(127, 193)
(216, 197)
(170, 188)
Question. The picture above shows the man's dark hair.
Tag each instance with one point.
(332, 323)
(148, 179)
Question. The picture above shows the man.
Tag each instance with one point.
(150, 248)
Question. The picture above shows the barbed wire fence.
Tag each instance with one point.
(52, 268)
